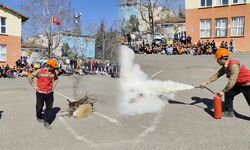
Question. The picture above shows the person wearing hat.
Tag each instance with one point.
(46, 82)
(238, 80)
(37, 65)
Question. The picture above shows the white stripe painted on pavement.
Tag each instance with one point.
(74, 133)
(108, 118)
(154, 124)
(155, 74)
(64, 96)
(152, 127)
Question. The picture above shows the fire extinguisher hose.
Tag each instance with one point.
(207, 89)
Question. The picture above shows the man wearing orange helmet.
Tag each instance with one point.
(238, 80)
(46, 82)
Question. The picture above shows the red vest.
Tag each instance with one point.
(45, 81)
(244, 74)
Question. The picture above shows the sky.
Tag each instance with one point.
(93, 11)
(97, 10)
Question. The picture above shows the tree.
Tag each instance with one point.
(41, 13)
(181, 12)
(132, 25)
(65, 49)
(152, 10)
(111, 43)
(99, 47)
(148, 15)
(107, 41)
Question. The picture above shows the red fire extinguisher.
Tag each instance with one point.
(217, 107)
(217, 104)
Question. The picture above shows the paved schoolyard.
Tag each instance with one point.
(185, 123)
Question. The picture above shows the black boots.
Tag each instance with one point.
(229, 114)
(40, 120)
(47, 125)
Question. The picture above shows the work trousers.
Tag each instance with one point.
(229, 96)
(42, 98)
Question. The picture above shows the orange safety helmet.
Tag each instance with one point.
(52, 62)
(221, 52)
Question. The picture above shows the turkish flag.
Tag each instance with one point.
(56, 20)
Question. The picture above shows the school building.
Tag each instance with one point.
(219, 20)
(10, 35)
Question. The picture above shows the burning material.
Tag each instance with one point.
(80, 108)
(140, 94)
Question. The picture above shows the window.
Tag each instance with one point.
(221, 2)
(238, 1)
(237, 26)
(205, 28)
(2, 52)
(206, 3)
(3, 25)
(221, 27)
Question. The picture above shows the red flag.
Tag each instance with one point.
(56, 21)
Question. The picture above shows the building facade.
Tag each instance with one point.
(169, 26)
(10, 35)
(128, 8)
(141, 12)
(78, 45)
(33, 52)
(82, 46)
(219, 20)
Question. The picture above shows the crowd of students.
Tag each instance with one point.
(178, 48)
(181, 44)
(92, 67)
(79, 67)
(21, 69)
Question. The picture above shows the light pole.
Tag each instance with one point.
(76, 31)
(77, 17)
(77, 23)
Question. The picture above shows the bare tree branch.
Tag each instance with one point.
(41, 12)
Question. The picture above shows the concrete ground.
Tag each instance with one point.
(185, 123)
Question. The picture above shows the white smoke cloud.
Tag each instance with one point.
(139, 93)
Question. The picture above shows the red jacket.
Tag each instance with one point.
(244, 74)
(45, 81)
